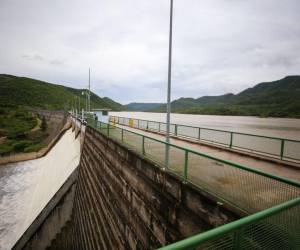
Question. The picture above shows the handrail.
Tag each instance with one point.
(280, 149)
(286, 188)
(197, 240)
(236, 230)
(212, 129)
(279, 178)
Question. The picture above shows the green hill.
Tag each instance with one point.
(274, 99)
(27, 92)
(22, 129)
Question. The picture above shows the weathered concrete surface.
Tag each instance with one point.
(26, 187)
(272, 166)
(122, 202)
(52, 219)
(125, 202)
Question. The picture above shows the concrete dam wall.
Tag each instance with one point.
(125, 202)
(119, 200)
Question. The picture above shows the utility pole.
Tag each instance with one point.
(75, 106)
(79, 105)
(169, 84)
(86, 100)
(89, 90)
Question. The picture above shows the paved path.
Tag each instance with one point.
(252, 162)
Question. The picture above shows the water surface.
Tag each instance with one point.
(275, 127)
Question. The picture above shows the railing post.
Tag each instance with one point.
(138, 123)
(231, 138)
(147, 125)
(186, 162)
(159, 127)
(199, 134)
(108, 129)
(122, 135)
(282, 149)
(175, 129)
(143, 145)
(237, 243)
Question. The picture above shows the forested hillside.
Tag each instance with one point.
(277, 99)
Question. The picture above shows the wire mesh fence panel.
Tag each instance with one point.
(247, 142)
(114, 119)
(186, 131)
(249, 191)
(163, 128)
(135, 123)
(176, 160)
(215, 136)
(257, 144)
(133, 140)
(143, 124)
(153, 126)
(127, 121)
(115, 133)
(274, 232)
(102, 127)
(155, 150)
(120, 120)
(291, 150)
(246, 190)
(123, 121)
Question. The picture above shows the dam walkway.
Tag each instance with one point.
(245, 188)
(273, 166)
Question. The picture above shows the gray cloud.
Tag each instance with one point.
(220, 46)
(39, 58)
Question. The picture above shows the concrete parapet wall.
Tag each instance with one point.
(123, 201)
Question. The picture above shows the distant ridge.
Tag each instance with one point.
(27, 92)
(279, 98)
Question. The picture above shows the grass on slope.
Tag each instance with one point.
(16, 131)
(27, 92)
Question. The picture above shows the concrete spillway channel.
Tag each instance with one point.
(27, 187)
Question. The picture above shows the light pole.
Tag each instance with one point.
(169, 84)
(89, 90)
(79, 106)
(82, 113)
(86, 100)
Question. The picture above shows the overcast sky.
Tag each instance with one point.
(220, 46)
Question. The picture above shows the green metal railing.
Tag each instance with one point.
(247, 189)
(274, 228)
(272, 201)
(280, 148)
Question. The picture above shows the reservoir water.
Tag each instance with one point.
(275, 127)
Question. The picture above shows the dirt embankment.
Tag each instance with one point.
(57, 124)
